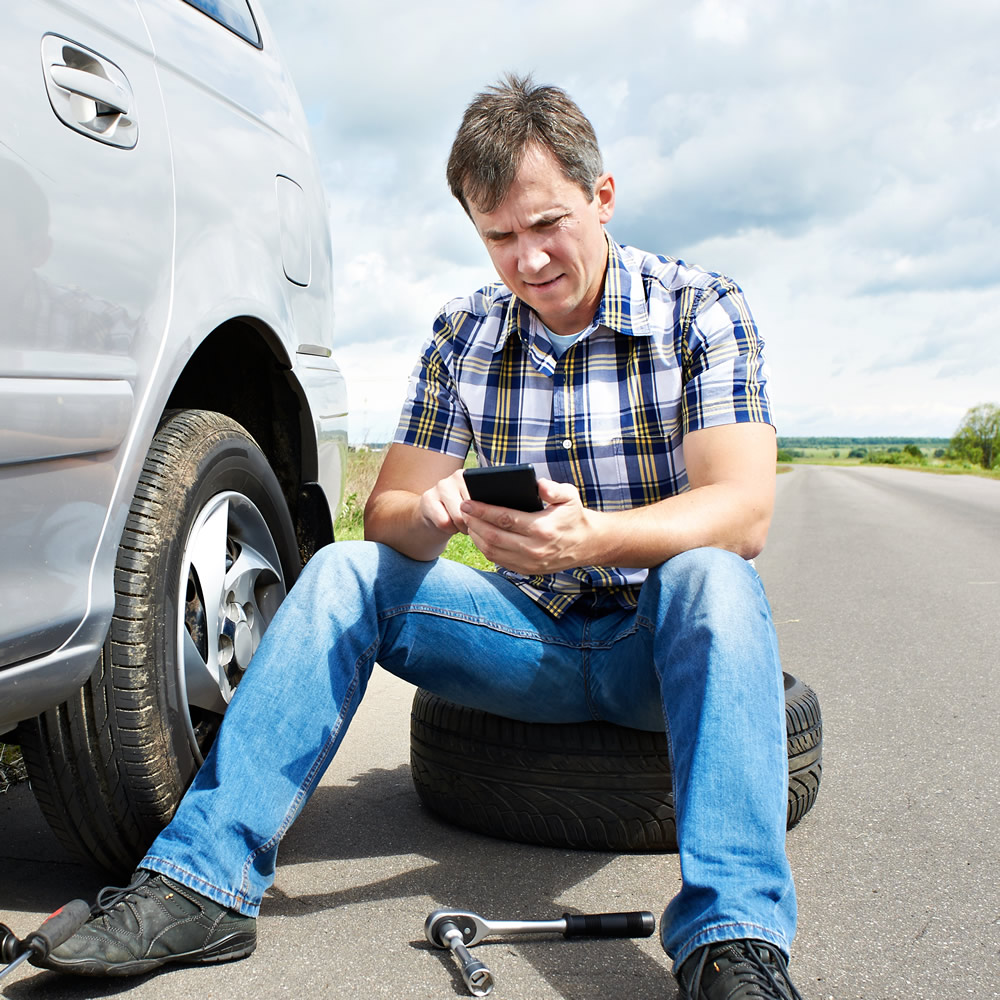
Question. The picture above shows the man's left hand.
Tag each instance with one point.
(534, 543)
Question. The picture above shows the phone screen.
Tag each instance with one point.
(512, 486)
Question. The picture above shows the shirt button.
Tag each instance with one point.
(567, 444)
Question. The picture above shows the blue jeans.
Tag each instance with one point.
(699, 652)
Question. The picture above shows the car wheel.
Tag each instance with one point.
(590, 786)
(206, 557)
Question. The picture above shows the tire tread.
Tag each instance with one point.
(589, 786)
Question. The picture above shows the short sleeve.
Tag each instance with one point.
(433, 416)
(725, 374)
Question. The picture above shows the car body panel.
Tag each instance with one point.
(76, 318)
(117, 263)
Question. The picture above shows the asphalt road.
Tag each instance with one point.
(886, 592)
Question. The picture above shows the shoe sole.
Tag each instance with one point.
(227, 950)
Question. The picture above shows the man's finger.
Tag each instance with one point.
(552, 492)
(499, 517)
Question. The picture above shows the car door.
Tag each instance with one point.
(86, 238)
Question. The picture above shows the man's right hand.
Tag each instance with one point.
(415, 505)
(441, 505)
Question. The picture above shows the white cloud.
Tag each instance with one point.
(838, 160)
(721, 20)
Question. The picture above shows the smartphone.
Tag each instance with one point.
(512, 486)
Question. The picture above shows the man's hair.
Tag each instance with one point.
(505, 120)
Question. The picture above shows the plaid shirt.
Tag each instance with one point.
(673, 349)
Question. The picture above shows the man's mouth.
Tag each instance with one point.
(543, 285)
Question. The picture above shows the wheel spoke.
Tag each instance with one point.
(255, 579)
(204, 678)
(207, 685)
(207, 550)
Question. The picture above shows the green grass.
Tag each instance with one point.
(461, 549)
(11, 766)
(838, 457)
(360, 475)
(362, 471)
(883, 451)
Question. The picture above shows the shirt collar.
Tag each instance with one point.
(622, 307)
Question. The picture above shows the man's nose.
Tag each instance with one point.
(532, 256)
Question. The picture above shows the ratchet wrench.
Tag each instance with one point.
(459, 930)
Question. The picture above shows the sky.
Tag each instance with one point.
(839, 160)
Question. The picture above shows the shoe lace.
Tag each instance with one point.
(111, 895)
(755, 971)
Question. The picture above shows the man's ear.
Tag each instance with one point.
(604, 192)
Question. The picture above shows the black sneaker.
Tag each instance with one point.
(736, 970)
(149, 923)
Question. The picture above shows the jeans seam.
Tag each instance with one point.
(493, 626)
(239, 898)
(585, 649)
(647, 624)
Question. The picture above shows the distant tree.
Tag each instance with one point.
(939, 452)
(978, 436)
(786, 455)
(857, 453)
(913, 451)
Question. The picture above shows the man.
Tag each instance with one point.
(635, 385)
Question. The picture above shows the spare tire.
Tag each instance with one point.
(589, 786)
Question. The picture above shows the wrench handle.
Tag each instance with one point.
(57, 928)
(609, 925)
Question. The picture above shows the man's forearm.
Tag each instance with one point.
(394, 518)
(413, 505)
(728, 506)
(717, 515)
(565, 535)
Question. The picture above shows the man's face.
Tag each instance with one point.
(547, 242)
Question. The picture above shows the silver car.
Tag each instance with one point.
(172, 423)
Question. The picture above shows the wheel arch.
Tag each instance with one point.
(242, 369)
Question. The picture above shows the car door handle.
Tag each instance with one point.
(86, 84)
(88, 92)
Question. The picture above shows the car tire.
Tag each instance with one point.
(207, 555)
(588, 786)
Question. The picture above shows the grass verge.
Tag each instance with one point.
(362, 471)
(11, 767)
